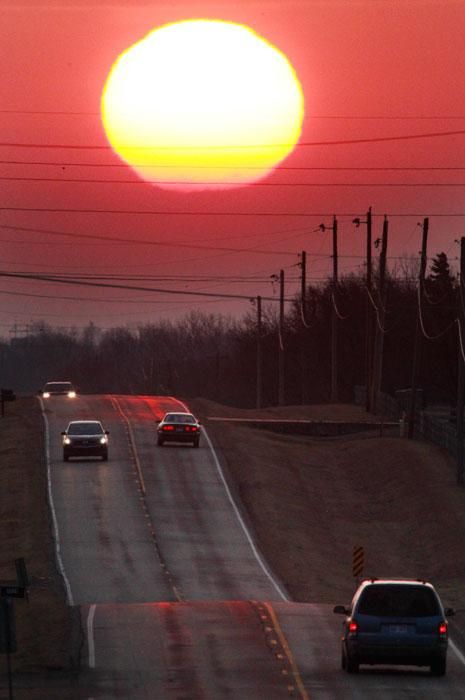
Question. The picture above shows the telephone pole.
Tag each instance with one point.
(379, 331)
(368, 311)
(303, 312)
(417, 341)
(334, 386)
(461, 367)
(303, 281)
(259, 353)
(281, 341)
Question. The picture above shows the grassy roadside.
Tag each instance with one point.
(45, 625)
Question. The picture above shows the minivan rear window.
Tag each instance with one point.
(398, 601)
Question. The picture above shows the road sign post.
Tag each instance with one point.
(6, 395)
(11, 590)
(22, 575)
(7, 637)
(8, 591)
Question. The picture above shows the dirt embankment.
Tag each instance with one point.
(311, 500)
(44, 623)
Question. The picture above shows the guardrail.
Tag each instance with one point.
(433, 423)
(316, 428)
(438, 429)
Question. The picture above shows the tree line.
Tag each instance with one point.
(215, 357)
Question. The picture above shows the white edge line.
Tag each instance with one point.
(256, 553)
(56, 535)
(90, 636)
(457, 651)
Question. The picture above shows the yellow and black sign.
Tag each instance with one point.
(358, 561)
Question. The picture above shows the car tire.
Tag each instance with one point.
(438, 667)
(65, 457)
(105, 457)
(352, 665)
(196, 443)
(160, 442)
(343, 661)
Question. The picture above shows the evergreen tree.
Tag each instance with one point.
(440, 277)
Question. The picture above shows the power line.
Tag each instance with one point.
(57, 280)
(301, 230)
(421, 321)
(94, 299)
(307, 117)
(228, 147)
(235, 167)
(149, 243)
(226, 279)
(232, 183)
(175, 261)
(219, 213)
(145, 278)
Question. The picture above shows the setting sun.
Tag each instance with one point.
(202, 104)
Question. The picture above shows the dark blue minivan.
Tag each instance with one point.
(392, 621)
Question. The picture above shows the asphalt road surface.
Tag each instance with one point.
(176, 600)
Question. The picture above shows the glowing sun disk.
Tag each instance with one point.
(202, 101)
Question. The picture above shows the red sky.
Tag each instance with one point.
(368, 69)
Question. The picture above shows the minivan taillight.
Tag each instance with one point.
(442, 629)
(353, 627)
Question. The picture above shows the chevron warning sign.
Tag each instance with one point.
(358, 560)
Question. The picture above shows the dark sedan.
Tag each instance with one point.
(179, 427)
(85, 438)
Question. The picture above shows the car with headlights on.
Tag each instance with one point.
(178, 427)
(391, 621)
(58, 389)
(85, 438)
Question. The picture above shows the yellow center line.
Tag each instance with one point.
(295, 671)
(132, 443)
(142, 498)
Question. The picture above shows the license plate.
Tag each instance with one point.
(398, 629)
(179, 429)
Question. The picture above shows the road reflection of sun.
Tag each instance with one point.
(202, 104)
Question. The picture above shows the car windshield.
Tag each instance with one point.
(85, 429)
(179, 418)
(398, 601)
(58, 386)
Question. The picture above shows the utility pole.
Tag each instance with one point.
(303, 311)
(303, 281)
(379, 335)
(334, 392)
(281, 342)
(334, 385)
(368, 311)
(259, 352)
(461, 367)
(417, 341)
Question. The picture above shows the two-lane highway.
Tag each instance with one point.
(176, 599)
(207, 544)
(106, 544)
